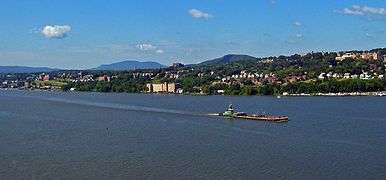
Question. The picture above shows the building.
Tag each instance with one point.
(347, 56)
(365, 55)
(370, 56)
(46, 77)
(104, 78)
(177, 65)
(161, 88)
(384, 58)
(27, 84)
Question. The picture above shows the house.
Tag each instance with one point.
(321, 76)
(365, 75)
(45, 77)
(220, 91)
(347, 76)
(179, 91)
(27, 84)
(104, 78)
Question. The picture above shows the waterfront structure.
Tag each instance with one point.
(161, 88)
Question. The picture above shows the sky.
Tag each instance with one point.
(76, 34)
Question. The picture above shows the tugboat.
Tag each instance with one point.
(231, 113)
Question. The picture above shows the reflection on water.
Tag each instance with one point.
(46, 135)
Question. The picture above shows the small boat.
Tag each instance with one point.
(231, 113)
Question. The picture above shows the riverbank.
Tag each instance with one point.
(383, 93)
(340, 94)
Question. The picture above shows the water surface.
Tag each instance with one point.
(51, 135)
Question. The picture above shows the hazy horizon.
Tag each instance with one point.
(81, 35)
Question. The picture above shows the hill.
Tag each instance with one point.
(229, 59)
(130, 65)
(24, 69)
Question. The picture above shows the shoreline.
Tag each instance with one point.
(379, 94)
(382, 93)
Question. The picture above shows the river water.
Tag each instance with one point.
(57, 135)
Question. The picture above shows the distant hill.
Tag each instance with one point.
(229, 59)
(24, 69)
(130, 65)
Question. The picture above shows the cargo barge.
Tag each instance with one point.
(231, 113)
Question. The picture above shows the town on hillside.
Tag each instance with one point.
(317, 73)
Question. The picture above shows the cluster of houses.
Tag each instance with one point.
(174, 73)
(364, 75)
(261, 78)
(370, 56)
(11, 81)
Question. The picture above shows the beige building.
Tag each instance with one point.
(161, 88)
(364, 55)
(347, 56)
(369, 56)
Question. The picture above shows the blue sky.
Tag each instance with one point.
(84, 34)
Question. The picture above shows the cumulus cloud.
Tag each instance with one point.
(357, 10)
(160, 51)
(297, 23)
(368, 35)
(146, 47)
(149, 48)
(56, 31)
(199, 14)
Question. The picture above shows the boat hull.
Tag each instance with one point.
(276, 119)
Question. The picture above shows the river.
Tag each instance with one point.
(58, 135)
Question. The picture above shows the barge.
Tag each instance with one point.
(231, 113)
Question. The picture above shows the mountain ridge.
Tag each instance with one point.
(228, 59)
(130, 65)
(25, 69)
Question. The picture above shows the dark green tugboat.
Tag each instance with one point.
(232, 113)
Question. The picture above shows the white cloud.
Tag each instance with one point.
(150, 48)
(199, 14)
(369, 35)
(356, 10)
(56, 31)
(297, 23)
(299, 36)
(146, 47)
(160, 51)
